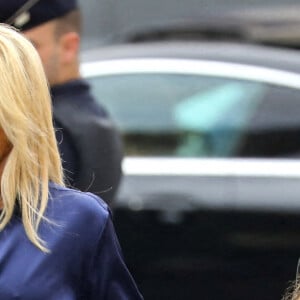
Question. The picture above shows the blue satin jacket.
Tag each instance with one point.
(85, 261)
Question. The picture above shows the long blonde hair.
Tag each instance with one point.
(292, 292)
(26, 119)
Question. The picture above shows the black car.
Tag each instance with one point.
(209, 207)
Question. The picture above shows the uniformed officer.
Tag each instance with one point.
(88, 142)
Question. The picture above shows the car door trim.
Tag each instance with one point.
(150, 166)
(191, 67)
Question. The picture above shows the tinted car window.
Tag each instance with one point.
(198, 116)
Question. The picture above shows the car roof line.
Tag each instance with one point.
(192, 67)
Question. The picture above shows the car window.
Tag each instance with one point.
(198, 116)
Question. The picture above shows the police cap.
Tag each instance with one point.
(26, 14)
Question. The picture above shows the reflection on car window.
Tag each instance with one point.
(214, 119)
(198, 116)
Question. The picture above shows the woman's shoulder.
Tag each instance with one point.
(73, 206)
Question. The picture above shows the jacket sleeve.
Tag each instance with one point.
(110, 278)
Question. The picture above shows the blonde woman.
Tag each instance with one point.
(55, 243)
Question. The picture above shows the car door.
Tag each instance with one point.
(208, 174)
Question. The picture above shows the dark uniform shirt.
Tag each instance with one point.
(85, 261)
(90, 146)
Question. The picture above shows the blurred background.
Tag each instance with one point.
(206, 95)
(107, 21)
